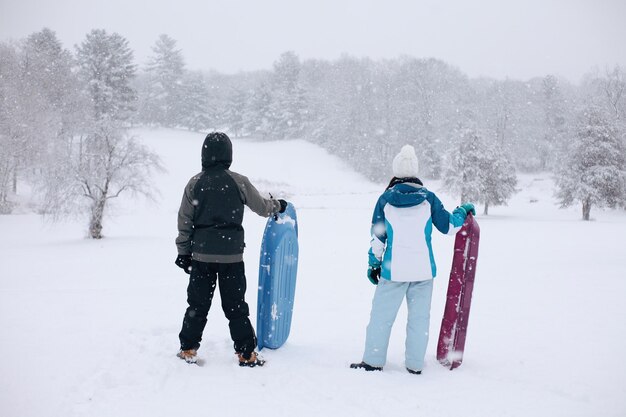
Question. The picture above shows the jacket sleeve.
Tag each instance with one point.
(445, 222)
(185, 220)
(379, 235)
(252, 198)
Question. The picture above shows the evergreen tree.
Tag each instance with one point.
(235, 111)
(149, 111)
(554, 122)
(49, 72)
(288, 107)
(57, 103)
(498, 177)
(594, 171)
(195, 107)
(166, 70)
(257, 114)
(106, 65)
(430, 159)
(480, 171)
(463, 174)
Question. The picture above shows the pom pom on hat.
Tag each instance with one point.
(405, 163)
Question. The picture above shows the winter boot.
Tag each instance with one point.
(411, 371)
(189, 356)
(365, 366)
(253, 360)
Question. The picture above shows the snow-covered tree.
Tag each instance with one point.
(10, 132)
(480, 171)
(430, 159)
(57, 94)
(163, 104)
(463, 174)
(498, 177)
(234, 111)
(95, 168)
(257, 114)
(195, 108)
(40, 102)
(554, 122)
(613, 87)
(594, 171)
(49, 67)
(288, 107)
(106, 65)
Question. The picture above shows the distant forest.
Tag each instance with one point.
(360, 109)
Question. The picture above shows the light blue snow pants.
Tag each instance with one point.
(385, 306)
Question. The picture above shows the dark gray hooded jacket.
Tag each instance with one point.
(211, 211)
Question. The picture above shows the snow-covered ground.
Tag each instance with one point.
(90, 328)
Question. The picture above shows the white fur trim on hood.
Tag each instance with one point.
(405, 163)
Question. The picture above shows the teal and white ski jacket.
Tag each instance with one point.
(402, 226)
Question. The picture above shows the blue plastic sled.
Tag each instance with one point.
(277, 279)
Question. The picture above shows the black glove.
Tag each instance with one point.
(373, 274)
(283, 206)
(184, 262)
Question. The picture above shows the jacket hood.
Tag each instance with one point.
(406, 194)
(217, 151)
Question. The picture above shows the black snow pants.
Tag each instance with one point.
(232, 283)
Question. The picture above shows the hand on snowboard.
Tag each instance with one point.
(469, 208)
(283, 207)
(465, 209)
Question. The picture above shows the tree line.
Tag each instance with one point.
(65, 118)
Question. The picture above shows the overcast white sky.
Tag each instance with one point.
(498, 38)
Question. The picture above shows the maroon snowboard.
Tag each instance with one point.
(456, 314)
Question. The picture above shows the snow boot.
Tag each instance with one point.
(411, 371)
(189, 356)
(253, 360)
(365, 366)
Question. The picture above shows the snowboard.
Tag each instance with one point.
(278, 268)
(456, 313)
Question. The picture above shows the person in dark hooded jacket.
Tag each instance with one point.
(401, 261)
(210, 247)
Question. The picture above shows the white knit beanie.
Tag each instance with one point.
(405, 163)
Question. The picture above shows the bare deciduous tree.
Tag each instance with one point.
(94, 169)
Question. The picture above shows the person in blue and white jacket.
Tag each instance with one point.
(401, 261)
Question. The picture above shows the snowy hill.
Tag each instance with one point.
(90, 328)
